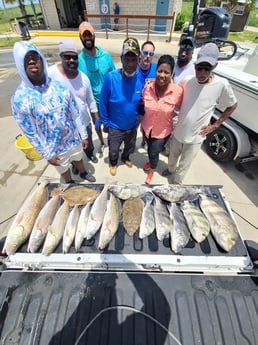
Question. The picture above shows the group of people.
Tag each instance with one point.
(56, 106)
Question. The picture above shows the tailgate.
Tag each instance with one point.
(133, 253)
(113, 308)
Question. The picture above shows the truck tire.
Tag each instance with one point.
(221, 145)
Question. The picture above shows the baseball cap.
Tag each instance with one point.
(131, 45)
(86, 26)
(67, 45)
(208, 53)
(187, 43)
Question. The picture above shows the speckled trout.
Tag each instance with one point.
(70, 228)
(110, 222)
(180, 233)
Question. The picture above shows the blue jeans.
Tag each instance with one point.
(155, 146)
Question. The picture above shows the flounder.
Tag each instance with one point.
(79, 195)
(132, 215)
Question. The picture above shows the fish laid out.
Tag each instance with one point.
(163, 222)
(197, 223)
(110, 222)
(222, 226)
(180, 233)
(70, 228)
(56, 229)
(44, 219)
(82, 225)
(147, 225)
(24, 221)
(97, 213)
(79, 195)
(177, 193)
(132, 215)
(127, 191)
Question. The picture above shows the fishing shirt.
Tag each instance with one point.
(96, 68)
(81, 89)
(47, 114)
(158, 118)
(119, 100)
(144, 76)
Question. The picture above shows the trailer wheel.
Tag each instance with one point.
(221, 145)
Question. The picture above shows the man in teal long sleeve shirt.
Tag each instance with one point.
(95, 63)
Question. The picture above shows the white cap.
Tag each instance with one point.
(67, 45)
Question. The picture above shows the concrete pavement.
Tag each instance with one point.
(18, 175)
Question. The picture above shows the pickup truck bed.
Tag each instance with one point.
(134, 292)
(75, 308)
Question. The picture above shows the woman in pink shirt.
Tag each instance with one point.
(160, 97)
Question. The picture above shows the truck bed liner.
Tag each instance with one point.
(133, 252)
(76, 308)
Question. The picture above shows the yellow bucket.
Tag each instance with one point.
(22, 143)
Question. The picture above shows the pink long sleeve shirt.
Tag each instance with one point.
(158, 117)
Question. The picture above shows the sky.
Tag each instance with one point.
(26, 2)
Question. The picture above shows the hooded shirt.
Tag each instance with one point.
(96, 68)
(47, 114)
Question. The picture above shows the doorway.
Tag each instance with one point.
(161, 10)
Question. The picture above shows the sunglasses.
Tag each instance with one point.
(186, 47)
(205, 68)
(32, 56)
(145, 53)
(69, 57)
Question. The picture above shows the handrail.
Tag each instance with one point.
(106, 17)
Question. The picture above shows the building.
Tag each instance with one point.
(69, 13)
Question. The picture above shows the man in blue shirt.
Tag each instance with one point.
(119, 102)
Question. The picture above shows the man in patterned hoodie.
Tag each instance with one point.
(46, 112)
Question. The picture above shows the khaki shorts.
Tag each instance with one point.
(74, 154)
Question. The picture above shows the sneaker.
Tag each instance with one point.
(94, 159)
(166, 173)
(128, 163)
(101, 149)
(113, 169)
(75, 171)
(147, 166)
(149, 177)
(88, 177)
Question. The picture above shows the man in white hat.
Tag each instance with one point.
(201, 95)
(68, 74)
